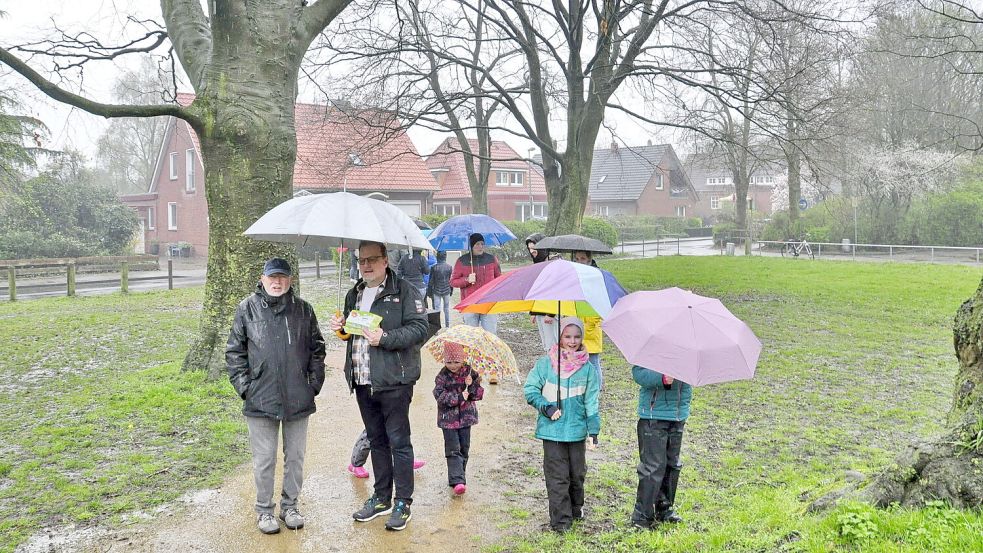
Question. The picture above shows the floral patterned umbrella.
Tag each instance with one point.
(486, 353)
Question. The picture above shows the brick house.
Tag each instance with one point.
(715, 183)
(334, 152)
(644, 180)
(512, 182)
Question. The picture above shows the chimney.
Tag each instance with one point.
(650, 142)
(614, 146)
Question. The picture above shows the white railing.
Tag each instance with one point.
(892, 252)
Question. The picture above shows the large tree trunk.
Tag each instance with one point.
(249, 145)
(947, 468)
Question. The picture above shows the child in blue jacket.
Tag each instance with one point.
(567, 429)
(663, 407)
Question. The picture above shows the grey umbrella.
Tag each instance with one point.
(572, 243)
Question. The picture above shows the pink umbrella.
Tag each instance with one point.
(683, 335)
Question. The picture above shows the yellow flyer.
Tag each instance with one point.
(358, 321)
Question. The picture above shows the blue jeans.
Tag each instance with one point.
(487, 322)
(443, 302)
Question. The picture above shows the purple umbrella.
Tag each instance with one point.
(683, 335)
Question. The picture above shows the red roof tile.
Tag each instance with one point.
(448, 156)
(361, 151)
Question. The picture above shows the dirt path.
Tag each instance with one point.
(223, 520)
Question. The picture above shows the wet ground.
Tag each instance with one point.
(222, 520)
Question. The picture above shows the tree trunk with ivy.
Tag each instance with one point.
(948, 468)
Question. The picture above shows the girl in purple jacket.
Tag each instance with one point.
(456, 389)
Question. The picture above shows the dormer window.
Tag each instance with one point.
(355, 160)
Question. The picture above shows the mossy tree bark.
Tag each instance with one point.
(243, 59)
(948, 468)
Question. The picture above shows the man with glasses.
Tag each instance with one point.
(381, 367)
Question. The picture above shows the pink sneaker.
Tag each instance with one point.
(459, 489)
(359, 472)
(418, 463)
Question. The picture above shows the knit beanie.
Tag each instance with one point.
(474, 239)
(453, 352)
(567, 321)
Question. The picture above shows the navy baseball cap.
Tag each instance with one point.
(277, 265)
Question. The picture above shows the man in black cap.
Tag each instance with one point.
(275, 357)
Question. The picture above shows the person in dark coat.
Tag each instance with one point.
(412, 268)
(439, 288)
(456, 388)
(382, 365)
(275, 359)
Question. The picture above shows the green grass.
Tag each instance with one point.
(857, 362)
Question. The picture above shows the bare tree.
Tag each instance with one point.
(128, 148)
(945, 468)
(419, 60)
(242, 60)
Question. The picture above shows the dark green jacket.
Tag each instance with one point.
(396, 360)
(275, 356)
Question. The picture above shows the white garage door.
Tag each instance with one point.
(411, 207)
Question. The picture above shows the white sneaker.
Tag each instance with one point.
(267, 524)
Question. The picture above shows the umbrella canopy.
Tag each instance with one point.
(584, 290)
(326, 220)
(486, 353)
(453, 233)
(572, 243)
(684, 335)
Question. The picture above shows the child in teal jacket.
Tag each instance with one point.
(663, 407)
(567, 429)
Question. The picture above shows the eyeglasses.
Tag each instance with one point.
(371, 260)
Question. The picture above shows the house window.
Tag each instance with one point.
(355, 160)
(151, 218)
(172, 165)
(680, 211)
(508, 178)
(714, 201)
(601, 210)
(763, 179)
(450, 208)
(658, 181)
(719, 180)
(172, 216)
(539, 211)
(189, 170)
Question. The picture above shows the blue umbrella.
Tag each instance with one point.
(453, 233)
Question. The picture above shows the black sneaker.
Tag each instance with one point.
(400, 516)
(669, 516)
(641, 524)
(374, 507)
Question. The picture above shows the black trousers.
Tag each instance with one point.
(659, 443)
(565, 468)
(457, 443)
(386, 415)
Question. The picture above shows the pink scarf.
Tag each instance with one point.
(570, 361)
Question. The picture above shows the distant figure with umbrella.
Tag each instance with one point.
(567, 429)
(472, 271)
(543, 321)
(381, 365)
(413, 268)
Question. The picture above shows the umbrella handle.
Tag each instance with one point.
(340, 333)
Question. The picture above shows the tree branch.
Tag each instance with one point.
(191, 36)
(93, 107)
(320, 15)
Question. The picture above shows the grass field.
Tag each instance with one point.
(99, 425)
(857, 361)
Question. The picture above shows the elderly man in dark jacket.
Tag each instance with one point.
(381, 366)
(275, 357)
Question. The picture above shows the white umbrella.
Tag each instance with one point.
(326, 220)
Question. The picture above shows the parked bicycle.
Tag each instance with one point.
(795, 248)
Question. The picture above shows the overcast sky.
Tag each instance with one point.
(72, 128)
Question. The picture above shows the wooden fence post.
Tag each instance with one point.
(170, 274)
(71, 279)
(124, 277)
(12, 284)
